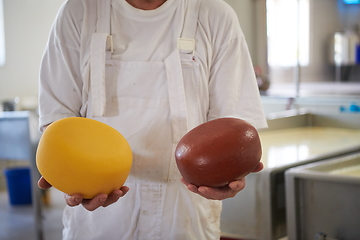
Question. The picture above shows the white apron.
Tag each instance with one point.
(146, 102)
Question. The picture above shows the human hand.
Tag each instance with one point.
(221, 193)
(100, 200)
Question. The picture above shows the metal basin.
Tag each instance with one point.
(294, 138)
(323, 197)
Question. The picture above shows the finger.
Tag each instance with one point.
(259, 167)
(238, 185)
(194, 189)
(43, 184)
(216, 193)
(190, 186)
(96, 202)
(73, 200)
(223, 192)
(124, 189)
(208, 192)
(115, 195)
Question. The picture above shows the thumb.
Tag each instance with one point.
(43, 184)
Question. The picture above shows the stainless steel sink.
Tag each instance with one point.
(324, 197)
(294, 138)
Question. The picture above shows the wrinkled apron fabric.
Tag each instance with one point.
(146, 102)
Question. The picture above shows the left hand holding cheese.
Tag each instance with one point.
(221, 193)
(214, 157)
(218, 152)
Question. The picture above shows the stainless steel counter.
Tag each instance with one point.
(294, 138)
(323, 197)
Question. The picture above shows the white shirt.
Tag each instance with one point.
(221, 50)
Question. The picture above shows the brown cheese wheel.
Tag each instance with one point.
(218, 152)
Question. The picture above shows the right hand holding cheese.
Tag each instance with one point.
(85, 159)
(99, 200)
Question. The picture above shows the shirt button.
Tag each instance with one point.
(145, 212)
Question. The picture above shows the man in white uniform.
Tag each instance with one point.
(152, 69)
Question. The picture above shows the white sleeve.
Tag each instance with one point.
(233, 89)
(60, 83)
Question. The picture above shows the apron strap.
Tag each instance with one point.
(186, 42)
(177, 101)
(100, 49)
(103, 13)
(176, 89)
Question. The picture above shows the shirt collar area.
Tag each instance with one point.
(129, 11)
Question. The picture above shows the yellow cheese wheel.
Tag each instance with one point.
(81, 155)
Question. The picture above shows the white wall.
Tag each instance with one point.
(326, 17)
(27, 25)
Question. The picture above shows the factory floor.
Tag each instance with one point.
(17, 222)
